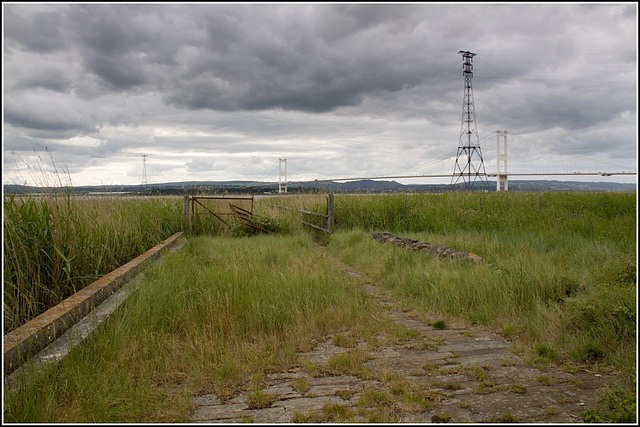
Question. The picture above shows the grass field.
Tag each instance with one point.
(559, 278)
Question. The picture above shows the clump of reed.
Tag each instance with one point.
(57, 243)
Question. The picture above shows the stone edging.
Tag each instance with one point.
(432, 249)
(28, 339)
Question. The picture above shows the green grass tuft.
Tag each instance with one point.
(439, 324)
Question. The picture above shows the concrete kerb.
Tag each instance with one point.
(28, 339)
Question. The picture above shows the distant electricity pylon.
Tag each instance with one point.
(469, 145)
(144, 170)
(282, 184)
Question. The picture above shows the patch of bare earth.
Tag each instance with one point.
(432, 375)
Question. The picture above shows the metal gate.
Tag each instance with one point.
(194, 206)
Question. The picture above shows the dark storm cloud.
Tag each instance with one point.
(123, 45)
(120, 73)
(317, 63)
(313, 58)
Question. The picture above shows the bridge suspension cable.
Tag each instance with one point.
(267, 171)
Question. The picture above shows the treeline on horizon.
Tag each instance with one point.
(364, 186)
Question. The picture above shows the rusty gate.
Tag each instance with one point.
(194, 206)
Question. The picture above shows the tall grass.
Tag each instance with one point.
(609, 216)
(560, 270)
(56, 244)
(284, 209)
(212, 315)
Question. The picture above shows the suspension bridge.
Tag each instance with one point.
(469, 161)
(283, 167)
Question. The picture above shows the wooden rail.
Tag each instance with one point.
(315, 226)
(312, 213)
(327, 219)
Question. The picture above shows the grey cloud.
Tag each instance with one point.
(50, 78)
(126, 45)
(255, 66)
(35, 27)
(201, 164)
(120, 73)
(225, 144)
(41, 111)
(21, 143)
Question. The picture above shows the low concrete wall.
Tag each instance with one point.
(28, 339)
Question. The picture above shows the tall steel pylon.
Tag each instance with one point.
(469, 145)
(144, 170)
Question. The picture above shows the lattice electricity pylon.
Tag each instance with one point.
(469, 145)
(144, 170)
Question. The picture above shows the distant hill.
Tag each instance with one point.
(362, 186)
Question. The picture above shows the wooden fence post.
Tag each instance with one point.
(405, 209)
(330, 213)
(186, 208)
(193, 213)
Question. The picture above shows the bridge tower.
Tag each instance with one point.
(282, 184)
(469, 163)
(501, 153)
(144, 171)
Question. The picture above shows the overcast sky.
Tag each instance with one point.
(220, 92)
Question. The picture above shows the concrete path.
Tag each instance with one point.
(433, 375)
